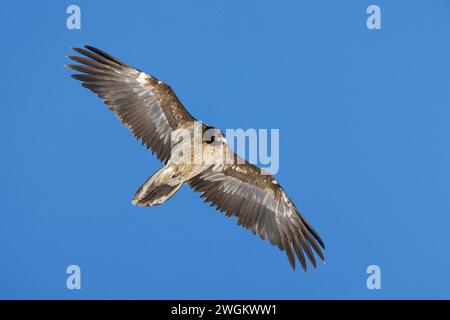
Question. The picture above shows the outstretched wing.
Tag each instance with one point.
(261, 205)
(148, 106)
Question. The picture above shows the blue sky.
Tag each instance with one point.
(364, 148)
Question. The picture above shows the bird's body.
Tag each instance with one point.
(195, 154)
(179, 169)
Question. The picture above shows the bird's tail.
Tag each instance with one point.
(159, 188)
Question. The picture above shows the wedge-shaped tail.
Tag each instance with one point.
(159, 188)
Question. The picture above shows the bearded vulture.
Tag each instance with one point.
(155, 115)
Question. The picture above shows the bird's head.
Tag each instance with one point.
(213, 136)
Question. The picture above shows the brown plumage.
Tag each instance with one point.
(155, 115)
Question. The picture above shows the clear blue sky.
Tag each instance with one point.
(365, 148)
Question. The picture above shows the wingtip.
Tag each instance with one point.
(77, 50)
(305, 269)
(291, 259)
(70, 66)
(322, 258)
(79, 76)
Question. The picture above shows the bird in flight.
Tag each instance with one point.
(155, 115)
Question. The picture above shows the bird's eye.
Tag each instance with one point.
(209, 135)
